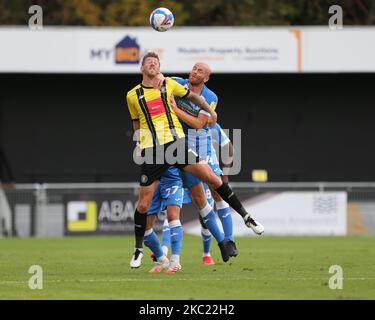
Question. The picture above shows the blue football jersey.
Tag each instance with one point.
(200, 140)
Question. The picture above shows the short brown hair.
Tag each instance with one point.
(150, 54)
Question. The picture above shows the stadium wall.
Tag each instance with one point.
(286, 208)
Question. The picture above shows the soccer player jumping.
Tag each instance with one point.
(161, 133)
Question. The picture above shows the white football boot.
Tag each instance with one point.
(136, 260)
(253, 224)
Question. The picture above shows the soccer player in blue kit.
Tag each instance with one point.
(225, 147)
(198, 137)
(169, 196)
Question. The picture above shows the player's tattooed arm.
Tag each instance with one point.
(199, 101)
(194, 122)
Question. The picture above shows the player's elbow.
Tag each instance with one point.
(196, 125)
(200, 123)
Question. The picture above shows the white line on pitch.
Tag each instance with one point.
(179, 279)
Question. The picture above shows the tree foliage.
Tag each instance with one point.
(188, 12)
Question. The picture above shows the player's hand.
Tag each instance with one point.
(213, 119)
(159, 79)
(174, 104)
(173, 101)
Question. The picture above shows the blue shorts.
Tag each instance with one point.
(166, 195)
(210, 199)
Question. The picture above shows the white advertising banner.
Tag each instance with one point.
(346, 50)
(292, 213)
(113, 50)
(225, 49)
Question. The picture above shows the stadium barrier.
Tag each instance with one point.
(56, 210)
(5, 215)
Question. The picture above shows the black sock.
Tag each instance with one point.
(202, 222)
(230, 197)
(140, 220)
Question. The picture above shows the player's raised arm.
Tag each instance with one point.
(183, 92)
(199, 101)
(195, 122)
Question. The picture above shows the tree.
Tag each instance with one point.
(188, 12)
(137, 12)
(73, 12)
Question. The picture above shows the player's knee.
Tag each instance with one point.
(213, 181)
(143, 206)
(205, 176)
(211, 178)
(173, 212)
(215, 195)
(173, 216)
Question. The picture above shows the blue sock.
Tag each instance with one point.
(206, 237)
(152, 241)
(166, 234)
(176, 237)
(209, 219)
(225, 214)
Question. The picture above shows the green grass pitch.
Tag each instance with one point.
(266, 268)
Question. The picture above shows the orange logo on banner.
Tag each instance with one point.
(127, 54)
(127, 51)
(297, 34)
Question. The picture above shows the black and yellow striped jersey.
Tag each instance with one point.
(152, 108)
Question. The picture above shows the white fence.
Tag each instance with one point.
(319, 208)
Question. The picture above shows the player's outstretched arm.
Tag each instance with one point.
(199, 101)
(194, 122)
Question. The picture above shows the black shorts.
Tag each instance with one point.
(175, 153)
